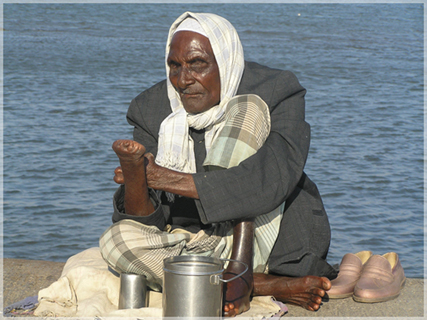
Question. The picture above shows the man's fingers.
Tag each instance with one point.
(149, 156)
(118, 176)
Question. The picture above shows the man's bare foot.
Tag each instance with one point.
(132, 174)
(306, 292)
(129, 151)
(238, 291)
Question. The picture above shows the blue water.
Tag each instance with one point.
(70, 71)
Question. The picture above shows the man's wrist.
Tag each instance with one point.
(179, 183)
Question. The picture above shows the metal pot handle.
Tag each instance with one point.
(239, 275)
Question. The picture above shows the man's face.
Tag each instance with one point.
(194, 72)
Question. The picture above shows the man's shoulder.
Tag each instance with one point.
(154, 100)
(150, 106)
(269, 83)
(257, 75)
(159, 88)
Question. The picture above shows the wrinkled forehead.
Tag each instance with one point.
(189, 43)
(185, 33)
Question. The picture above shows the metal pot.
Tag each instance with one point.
(192, 286)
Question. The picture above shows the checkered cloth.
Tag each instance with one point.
(132, 247)
(247, 126)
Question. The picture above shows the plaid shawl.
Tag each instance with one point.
(175, 148)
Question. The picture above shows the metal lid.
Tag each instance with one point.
(193, 265)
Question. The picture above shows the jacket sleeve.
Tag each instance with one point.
(146, 112)
(141, 132)
(262, 182)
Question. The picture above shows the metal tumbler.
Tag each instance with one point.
(133, 291)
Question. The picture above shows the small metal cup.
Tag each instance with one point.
(133, 291)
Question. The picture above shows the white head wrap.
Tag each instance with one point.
(176, 148)
(190, 24)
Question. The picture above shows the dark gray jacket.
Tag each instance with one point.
(259, 184)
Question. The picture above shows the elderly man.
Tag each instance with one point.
(216, 169)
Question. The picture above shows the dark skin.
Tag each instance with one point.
(193, 71)
(195, 76)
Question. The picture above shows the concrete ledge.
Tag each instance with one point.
(24, 278)
(410, 303)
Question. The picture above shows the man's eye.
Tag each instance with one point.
(173, 65)
(173, 68)
(199, 65)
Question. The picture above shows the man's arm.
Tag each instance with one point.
(146, 123)
(263, 181)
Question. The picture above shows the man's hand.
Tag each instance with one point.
(153, 173)
(118, 176)
(161, 178)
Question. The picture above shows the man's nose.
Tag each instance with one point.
(185, 78)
